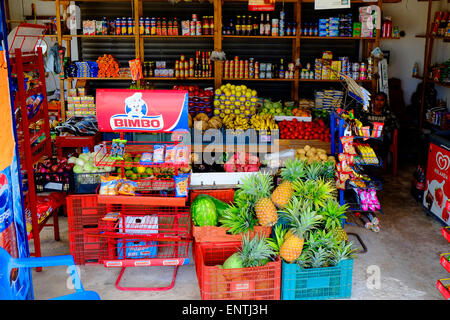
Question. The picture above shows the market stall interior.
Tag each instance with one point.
(240, 148)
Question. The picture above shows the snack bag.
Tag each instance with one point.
(128, 188)
(171, 151)
(146, 159)
(111, 216)
(109, 186)
(158, 153)
(181, 185)
(347, 144)
(182, 156)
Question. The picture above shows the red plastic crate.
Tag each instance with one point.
(84, 211)
(85, 246)
(225, 195)
(257, 283)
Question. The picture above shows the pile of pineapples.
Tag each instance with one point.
(303, 211)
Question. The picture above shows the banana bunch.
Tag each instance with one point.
(263, 122)
(237, 122)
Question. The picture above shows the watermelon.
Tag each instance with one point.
(204, 212)
(234, 261)
(220, 205)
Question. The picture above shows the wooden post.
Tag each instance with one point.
(296, 48)
(141, 39)
(218, 65)
(59, 38)
(426, 63)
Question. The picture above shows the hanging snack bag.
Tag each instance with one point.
(181, 185)
(146, 159)
(158, 154)
(128, 188)
(170, 154)
(182, 156)
(109, 186)
(347, 145)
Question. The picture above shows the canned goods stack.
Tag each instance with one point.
(250, 25)
(200, 67)
(251, 69)
(328, 69)
(197, 27)
(119, 26)
(158, 26)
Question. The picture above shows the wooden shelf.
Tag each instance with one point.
(177, 37)
(91, 78)
(445, 85)
(259, 79)
(257, 37)
(329, 80)
(176, 79)
(445, 39)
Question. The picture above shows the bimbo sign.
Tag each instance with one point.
(121, 110)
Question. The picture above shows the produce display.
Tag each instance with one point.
(56, 170)
(199, 100)
(108, 67)
(202, 122)
(312, 154)
(303, 211)
(242, 162)
(294, 129)
(235, 99)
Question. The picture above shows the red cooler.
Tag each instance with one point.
(437, 189)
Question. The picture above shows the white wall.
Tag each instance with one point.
(411, 17)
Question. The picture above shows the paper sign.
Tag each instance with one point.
(331, 4)
(261, 5)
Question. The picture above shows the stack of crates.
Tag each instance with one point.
(257, 283)
(84, 214)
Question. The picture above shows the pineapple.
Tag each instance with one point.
(295, 169)
(341, 252)
(276, 242)
(239, 217)
(319, 257)
(258, 188)
(255, 252)
(316, 192)
(314, 170)
(301, 219)
(334, 214)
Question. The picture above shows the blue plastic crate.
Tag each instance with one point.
(318, 283)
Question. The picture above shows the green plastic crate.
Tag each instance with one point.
(317, 283)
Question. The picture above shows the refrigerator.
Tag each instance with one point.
(437, 188)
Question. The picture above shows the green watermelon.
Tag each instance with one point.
(220, 205)
(203, 212)
(233, 261)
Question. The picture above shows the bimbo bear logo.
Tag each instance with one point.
(136, 117)
(135, 107)
(443, 162)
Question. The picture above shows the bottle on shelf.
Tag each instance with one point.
(262, 25)
(238, 25)
(281, 69)
(255, 26)
(267, 26)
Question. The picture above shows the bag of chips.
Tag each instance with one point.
(109, 185)
(128, 188)
(181, 185)
(158, 153)
(171, 152)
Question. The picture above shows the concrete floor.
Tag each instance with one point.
(406, 252)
